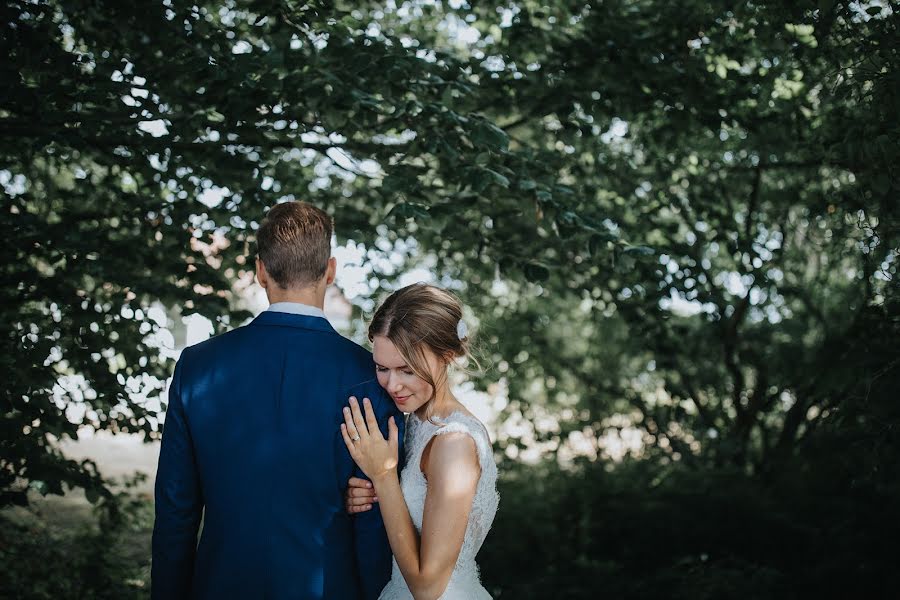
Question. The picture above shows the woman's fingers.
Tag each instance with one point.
(351, 447)
(371, 421)
(352, 429)
(393, 434)
(358, 420)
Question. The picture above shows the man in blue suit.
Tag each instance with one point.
(252, 443)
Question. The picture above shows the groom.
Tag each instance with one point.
(252, 443)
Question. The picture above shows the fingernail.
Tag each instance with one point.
(368, 484)
(375, 499)
(366, 400)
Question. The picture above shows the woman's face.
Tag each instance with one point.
(408, 391)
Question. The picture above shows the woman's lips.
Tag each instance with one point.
(400, 399)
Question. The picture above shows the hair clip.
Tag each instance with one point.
(461, 329)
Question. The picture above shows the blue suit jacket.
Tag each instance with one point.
(252, 444)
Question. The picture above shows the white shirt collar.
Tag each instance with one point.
(296, 308)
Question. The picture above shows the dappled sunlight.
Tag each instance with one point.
(672, 227)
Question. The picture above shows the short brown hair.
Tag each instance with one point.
(422, 316)
(294, 243)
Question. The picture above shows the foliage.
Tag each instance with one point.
(715, 534)
(821, 526)
(675, 217)
(750, 146)
(103, 554)
(138, 159)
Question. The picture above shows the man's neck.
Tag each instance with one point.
(307, 296)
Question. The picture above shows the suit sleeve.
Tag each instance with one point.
(373, 553)
(179, 503)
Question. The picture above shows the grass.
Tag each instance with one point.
(64, 547)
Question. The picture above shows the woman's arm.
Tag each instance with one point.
(452, 472)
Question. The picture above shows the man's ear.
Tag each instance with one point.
(261, 276)
(331, 271)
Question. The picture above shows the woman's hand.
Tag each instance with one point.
(375, 455)
(360, 496)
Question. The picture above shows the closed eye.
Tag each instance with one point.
(403, 368)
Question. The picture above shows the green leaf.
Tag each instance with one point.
(408, 210)
(638, 251)
(599, 242)
(448, 150)
(567, 218)
(497, 178)
(92, 495)
(536, 272)
(486, 133)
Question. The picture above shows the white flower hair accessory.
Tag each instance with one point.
(462, 330)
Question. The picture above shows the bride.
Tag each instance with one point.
(438, 511)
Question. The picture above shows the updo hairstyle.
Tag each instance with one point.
(421, 316)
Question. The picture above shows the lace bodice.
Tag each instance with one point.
(464, 582)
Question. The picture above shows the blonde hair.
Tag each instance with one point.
(417, 317)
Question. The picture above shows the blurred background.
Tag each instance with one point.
(674, 226)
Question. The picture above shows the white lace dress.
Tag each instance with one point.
(464, 581)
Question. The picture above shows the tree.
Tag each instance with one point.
(750, 146)
(743, 152)
(141, 145)
(675, 217)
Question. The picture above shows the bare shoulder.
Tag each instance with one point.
(452, 456)
(454, 446)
